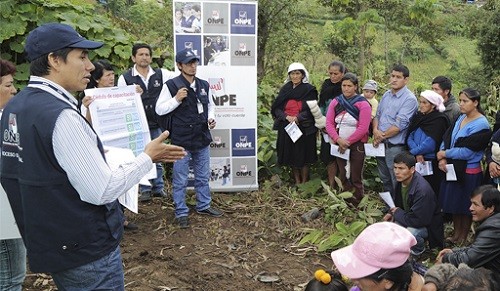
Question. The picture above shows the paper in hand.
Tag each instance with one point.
(386, 196)
(450, 173)
(293, 131)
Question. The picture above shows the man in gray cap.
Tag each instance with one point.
(62, 192)
(188, 101)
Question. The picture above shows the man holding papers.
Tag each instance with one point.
(416, 208)
(62, 192)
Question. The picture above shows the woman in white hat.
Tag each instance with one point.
(425, 134)
(290, 107)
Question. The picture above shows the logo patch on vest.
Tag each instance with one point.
(11, 139)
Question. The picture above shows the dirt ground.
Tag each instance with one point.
(252, 247)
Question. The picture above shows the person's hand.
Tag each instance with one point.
(291, 119)
(181, 94)
(441, 254)
(388, 217)
(162, 152)
(343, 145)
(441, 155)
(87, 100)
(442, 165)
(494, 169)
(211, 123)
(420, 158)
(138, 89)
(429, 287)
(378, 137)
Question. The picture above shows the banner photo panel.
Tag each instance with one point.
(224, 35)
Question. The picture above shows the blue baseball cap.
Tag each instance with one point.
(185, 56)
(51, 37)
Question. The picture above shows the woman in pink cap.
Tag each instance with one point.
(425, 134)
(378, 259)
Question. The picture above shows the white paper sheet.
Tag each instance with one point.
(334, 151)
(450, 173)
(371, 151)
(8, 228)
(386, 196)
(116, 157)
(326, 137)
(425, 168)
(293, 131)
(119, 119)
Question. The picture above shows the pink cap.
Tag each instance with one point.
(434, 98)
(382, 245)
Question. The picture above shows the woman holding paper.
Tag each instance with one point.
(331, 88)
(425, 134)
(290, 109)
(347, 122)
(462, 149)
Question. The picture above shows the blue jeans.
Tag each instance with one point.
(12, 264)
(201, 166)
(420, 235)
(385, 167)
(105, 273)
(157, 183)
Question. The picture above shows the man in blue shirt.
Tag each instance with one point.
(391, 122)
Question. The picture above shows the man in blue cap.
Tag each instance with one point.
(188, 101)
(62, 192)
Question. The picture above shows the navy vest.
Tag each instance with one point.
(60, 231)
(149, 95)
(189, 128)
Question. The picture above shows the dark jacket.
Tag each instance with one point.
(424, 209)
(150, 93)
(189, 128)
(303, 92)
(60, 230)
(484, 251)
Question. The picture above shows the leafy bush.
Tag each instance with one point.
(18, 17)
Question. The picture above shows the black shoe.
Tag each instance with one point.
(130, 226)
(161, 194)
(145, 196)
(182, 221)
(211, 211)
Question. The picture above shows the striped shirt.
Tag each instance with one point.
(75, 148)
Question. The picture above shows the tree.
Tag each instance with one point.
(488, 41)
(281, 37)
(18, 17)
(409, 19)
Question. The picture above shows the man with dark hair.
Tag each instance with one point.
(62, 192)
(417, 207)
(391, 122)
(485, 249)
(187, 99)
(151, 81)
(442, 86)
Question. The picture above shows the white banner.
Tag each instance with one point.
(224, 35)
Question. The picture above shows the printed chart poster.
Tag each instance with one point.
(226, 44)
(119, 120)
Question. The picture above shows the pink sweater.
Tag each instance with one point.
(361, 133)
